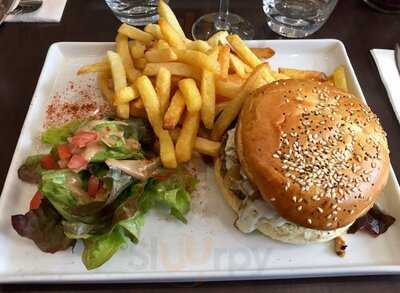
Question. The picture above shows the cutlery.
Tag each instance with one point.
(27, 6)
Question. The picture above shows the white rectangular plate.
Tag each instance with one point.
(208, 247)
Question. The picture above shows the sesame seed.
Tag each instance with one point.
(309, 221)
(320, 210)
(299, 208)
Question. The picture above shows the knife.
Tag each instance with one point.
(5, 7)
(397, 56)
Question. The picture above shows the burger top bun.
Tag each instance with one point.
(317, 154)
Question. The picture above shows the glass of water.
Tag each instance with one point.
(134, 12)
(297, 18)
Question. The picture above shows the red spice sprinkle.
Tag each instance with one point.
(76, 102)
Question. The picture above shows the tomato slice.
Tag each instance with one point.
(36, 201)
(77, 162)
(47, 162)
(83, 138)
(93, 186)
(64, 153)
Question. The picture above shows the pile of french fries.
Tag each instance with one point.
(190, 91)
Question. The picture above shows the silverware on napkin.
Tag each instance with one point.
(5, 6)
(24, 6)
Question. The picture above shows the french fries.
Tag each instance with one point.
(201, 145)
(263, 53)
(135, 33)
(339, 78)
(121, 44)
(141, 63)
(161, 44)
(243, 51)
(156, 55)
(152, 106)
(163, 88)
(223, 60)
(207, 147)
(238, 66)
(102, 66)
(103, 81)
(213, 53)
(218, 38)
(176, 68)
(137, 49)
(122, 110)
(191, 94)
(166, 13)
(219, 107)
(117, 71)
(207, 89)
(126, 95)
(174, 111)
(154, 30)
(172, 37)
(278, 76)
(199, 45)
(198, 59)
(303, 74)
(187, 136)
(232, 109)
(198, 86)
(228, 88)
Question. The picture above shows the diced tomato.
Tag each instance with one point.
(74, 149)
(63, 151)
(93, 186)
(36, 200)
(83, 138)
(47, 162)
(77, 162)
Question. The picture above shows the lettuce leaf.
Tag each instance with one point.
(31, 170)
(58, 135)
(70, 204)
(44, 227)
(120, 153)
(99, 249)
(127, 223)
(172, 193)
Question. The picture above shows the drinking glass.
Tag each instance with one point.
(209, 24)
(385, 6)
(297, 18)
(134, 12)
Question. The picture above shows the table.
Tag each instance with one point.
(23, 49)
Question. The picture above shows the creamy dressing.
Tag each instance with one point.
(139, 169)
(91, 150)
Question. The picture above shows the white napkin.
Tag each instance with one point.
(51, 11)
(390, 76)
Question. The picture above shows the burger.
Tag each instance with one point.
(303, 163)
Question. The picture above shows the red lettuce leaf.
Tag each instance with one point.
(374, 222)
(44, 227)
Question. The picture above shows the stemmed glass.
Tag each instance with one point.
(208, 24)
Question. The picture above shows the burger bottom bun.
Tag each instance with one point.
(288, 232)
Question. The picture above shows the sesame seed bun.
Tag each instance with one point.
(317, 154)
(286, 232)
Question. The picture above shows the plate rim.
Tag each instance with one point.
(187, 276)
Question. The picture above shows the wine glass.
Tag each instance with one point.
(209, 24)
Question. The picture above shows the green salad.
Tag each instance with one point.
(97, 185)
